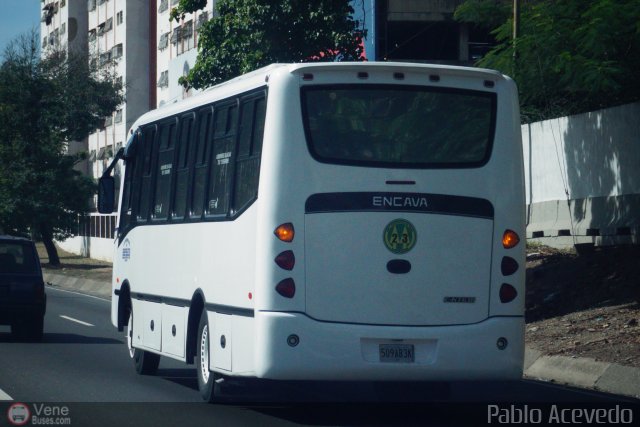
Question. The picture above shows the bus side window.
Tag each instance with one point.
(126, 210)
(143, 193)
(221, 160)
(164, 169)
(201, 163)
(250, 146)
(182, 166)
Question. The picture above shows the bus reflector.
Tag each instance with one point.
(285, 232)
(286, 260)
(286, 288)
(507, 293)
(510, 239)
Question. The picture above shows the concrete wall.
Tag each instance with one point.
(583, 177)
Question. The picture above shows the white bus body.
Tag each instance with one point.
(400, 182)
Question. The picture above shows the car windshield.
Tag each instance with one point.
(399, 126)
(17, 257)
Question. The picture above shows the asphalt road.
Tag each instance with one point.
(83, 364)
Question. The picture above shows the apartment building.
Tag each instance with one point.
(64, 26)
(176, 49)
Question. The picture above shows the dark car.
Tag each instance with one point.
(22, 298)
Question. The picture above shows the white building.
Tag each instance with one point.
(148, 52)
(64, 26)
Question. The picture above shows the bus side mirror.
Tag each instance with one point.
(106, 194)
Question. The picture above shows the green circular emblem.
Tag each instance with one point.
(400, 236)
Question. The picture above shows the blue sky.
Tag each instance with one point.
(18, 17)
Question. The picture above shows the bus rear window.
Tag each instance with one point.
(398, 126)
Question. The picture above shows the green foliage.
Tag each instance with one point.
(184, 7)
(571, 56)
(43, 104)
(249, 34)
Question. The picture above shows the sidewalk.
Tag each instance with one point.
(577, 372)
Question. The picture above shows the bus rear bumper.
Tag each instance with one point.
(338, 351)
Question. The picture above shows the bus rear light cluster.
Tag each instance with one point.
(286, 260)
(285, 232)
(509, 266)
(507, 293)
(286, 288)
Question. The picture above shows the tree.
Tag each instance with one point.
(572, 56)
(249, 34)
(44, 103)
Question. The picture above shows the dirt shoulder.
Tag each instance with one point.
(75, 265)
(585, 305)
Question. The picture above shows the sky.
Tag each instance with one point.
(18, 17)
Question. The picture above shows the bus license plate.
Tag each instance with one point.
(397, 353)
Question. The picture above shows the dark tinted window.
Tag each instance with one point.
(225, 121)
(202, 151)
(398, 126)
(144, 189)
(247, 172)
(164, 170)
(126, 208)
(182, 173)
(17, 257)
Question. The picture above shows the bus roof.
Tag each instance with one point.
(260, 77)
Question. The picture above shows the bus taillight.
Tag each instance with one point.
(507, 293)
(286, 260)
(510, 239)
(286, 288)
(285, 232)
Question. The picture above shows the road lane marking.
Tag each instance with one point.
(76, 320)
(4, 396)
(52, 288)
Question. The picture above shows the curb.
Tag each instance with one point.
(583, 372)
(578, 372)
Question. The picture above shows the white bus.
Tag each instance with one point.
(327, 221)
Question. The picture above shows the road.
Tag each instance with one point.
(83, 363)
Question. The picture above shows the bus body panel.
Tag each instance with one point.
(348, 265)
(339, 351)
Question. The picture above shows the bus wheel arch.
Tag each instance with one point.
(124, 305)
(193, 322)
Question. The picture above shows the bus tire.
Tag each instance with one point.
(145, 362)
(207, 385)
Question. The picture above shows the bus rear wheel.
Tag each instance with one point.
(207, 380)
(145, 363)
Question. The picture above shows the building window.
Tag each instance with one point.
(202, 18)
(91, 5)
(63, 3)
(105, 57)
(44, 42)
(102, 2)
(105, 26)
(164, 41)
(119, 17)
(163, 81)
(118, 118)
(108, 121)
(63, 28)
(92, 36)
(116, 52)
(175, 35)
(174, 2)
(164, 5)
